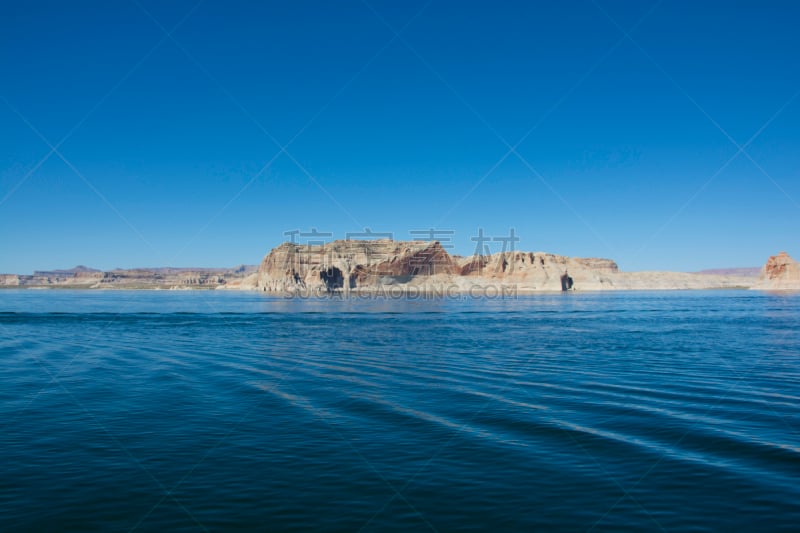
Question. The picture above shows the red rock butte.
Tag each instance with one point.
(780, 273)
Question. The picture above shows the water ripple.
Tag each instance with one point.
(626, 411)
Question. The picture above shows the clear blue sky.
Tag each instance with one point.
(628, 145)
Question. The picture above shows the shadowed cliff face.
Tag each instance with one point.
(331, 277)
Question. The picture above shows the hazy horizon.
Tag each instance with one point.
(661, 135)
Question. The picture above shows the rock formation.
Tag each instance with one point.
(365, 266)
(136, 278)
(401, 267)
(540, 271)
(352, 264)
(780, 273)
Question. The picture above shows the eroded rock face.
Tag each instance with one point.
(780, 273)
(348, 264)
(375, 265)
(11, 280)
(539, 270)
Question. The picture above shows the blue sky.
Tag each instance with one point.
(203, 146)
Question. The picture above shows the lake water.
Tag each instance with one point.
(156, 411)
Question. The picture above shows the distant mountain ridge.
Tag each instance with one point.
(67, 272)
(82, 277)
(736, 271)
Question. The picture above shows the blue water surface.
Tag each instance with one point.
(169, 411)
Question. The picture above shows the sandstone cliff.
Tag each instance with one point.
(350, 264)
(345, 266)
(780, 273)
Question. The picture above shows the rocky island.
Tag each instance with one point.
(384, 265)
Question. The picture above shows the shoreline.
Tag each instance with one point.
(493, 291)
(403, 268)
